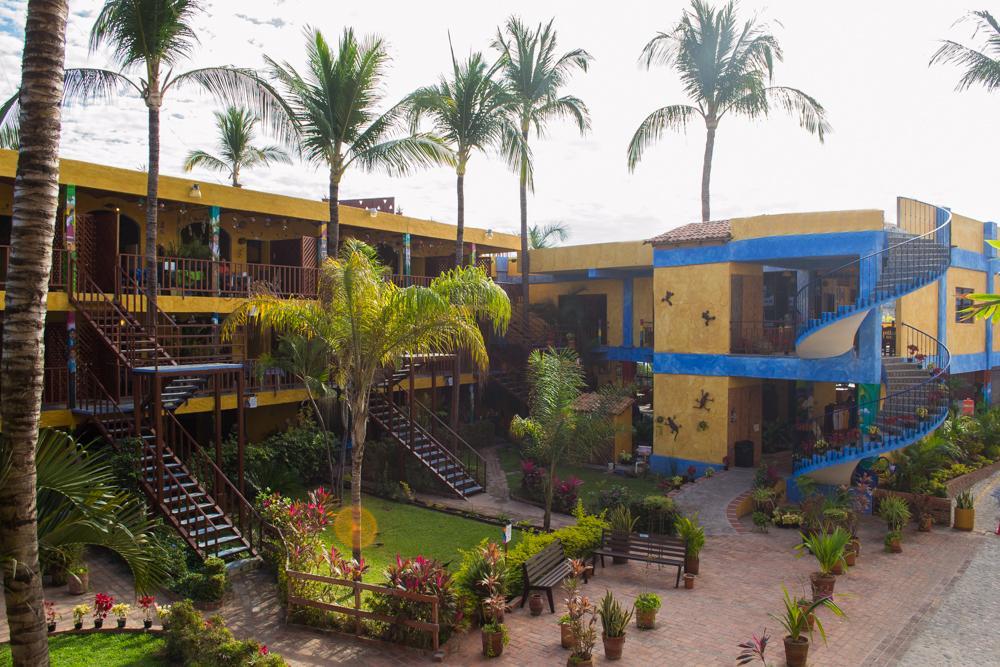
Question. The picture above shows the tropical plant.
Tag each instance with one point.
(369, 324)
(614, 618)
(534, 73)
(692, 534)
(965, 501)
(647, 602)
(981, 65)
(915, 464)
(621, 520)
(827, 547)
(236, 151)
(120, 610)
(795, 619)
(895, 511)
(725, 68)
(334, 117)
(547, 236)
(35, 202)
(754, 649)
(555, 432)
(470, 111)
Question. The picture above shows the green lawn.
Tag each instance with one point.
(409, 530)
(107, 649)
(593, 480)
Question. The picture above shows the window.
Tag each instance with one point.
(961, 303)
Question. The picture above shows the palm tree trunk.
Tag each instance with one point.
(333, 232)
(706, 170)
(524, 260)
(359, 428)
(456, 368)
(36, 201)
(152, 202)
(547, 521)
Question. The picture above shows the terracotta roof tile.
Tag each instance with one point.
(590, 403)
(696, 232)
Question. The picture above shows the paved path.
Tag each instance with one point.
(710, 498)
(960, 629)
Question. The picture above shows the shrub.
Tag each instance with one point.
(895, 512)
(656, 514)
(648, 602)
(482, 568)
(564, 494)
(417, 575)
(205, 584)
(613, 496)
(194, 641)
(479, 433)
(692, 534)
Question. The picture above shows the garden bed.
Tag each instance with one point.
(939, 508)
(958, 484)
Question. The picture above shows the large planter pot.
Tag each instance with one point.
(926, 523)
(691, 564)
(492, 644)
(645, 619)
(851, 558)
(856, 547)
(613, 647)
(796, 651)
(98, 623)
(964, 519)
(77, 584)
(565, 635)
(51, 627)
(535, 604)
(822, 586)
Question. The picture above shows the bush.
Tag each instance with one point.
(193, 641)
(479, 434)
(655, 514)
(417, 575)
(206, 584)
(613, 496)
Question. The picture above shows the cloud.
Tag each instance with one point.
(274, 22)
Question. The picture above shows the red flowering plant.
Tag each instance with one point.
(343, 568)
(564, 494)
(102, 605)
(416, 575)
(147, 603)
(51, 615)
(532, 476)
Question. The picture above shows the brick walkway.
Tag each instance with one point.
(710, 498)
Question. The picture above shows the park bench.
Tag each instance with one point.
(654, 549)
(545, 570)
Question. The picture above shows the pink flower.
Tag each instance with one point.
(263, 649)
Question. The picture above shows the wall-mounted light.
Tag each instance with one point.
(195, 191)
(372, 212)
(489, 233)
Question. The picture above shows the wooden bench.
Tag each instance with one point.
(546, 570)
(655, 549)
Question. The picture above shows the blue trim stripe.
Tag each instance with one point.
(845, 368)
(772, 248)
(622, 353)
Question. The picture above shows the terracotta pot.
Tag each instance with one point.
(645, 619)
(566, 635)
(98, 623)
(77, 584)
(856, 547)
(851, 558)
(810, 618)
(535, 604)
(926, 523)
(121, 622)
(613, 646)
(838, 569)
(691, 564)
(51, 627)
(964, 519)
(147, 623)
(896, 547)
(822, 585)
(580, 662)
(689, 581)
(796, 651)
(492, 644)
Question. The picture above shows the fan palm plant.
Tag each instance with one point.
(546, 236)
(333, 108)
(237, 127)
(368, 325)
(36, 199)
(725, 67)
(535, 72)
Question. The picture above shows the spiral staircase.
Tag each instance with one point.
(914, 399)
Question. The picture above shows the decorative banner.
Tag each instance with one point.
(508, 533)
(868, 395)
(472, 255)
(71, 315)
(406, 254)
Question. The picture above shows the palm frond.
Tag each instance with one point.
(548, 235)
(811, 114)
(199, 158)
(674, 117)
(146, 32)
(86, 84)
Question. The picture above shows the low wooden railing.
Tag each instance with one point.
(355, 611)
(181, 276)
(761, 337)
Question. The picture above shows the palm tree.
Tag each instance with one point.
(982, 66)
(333, 112)
(535, 73)
(368, 324)
(470, 112)
(547, 236)
(725, 68)
(556, 432)
(36, 199)
(237, 128)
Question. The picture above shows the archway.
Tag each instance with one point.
(128, 235)
(200, 233)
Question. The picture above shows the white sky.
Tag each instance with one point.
(899, 126)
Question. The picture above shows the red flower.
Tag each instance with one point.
(263, 649)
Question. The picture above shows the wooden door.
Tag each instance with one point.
(97, 248)
(745, 419)
(310, 260)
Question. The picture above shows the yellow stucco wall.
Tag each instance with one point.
(967, 233)
(965, 337)
(550, 292)
(824, 222)
(642, 306)
(57, 301)
(675, 396)
(680, 328)
(920, 309)
(621, 254)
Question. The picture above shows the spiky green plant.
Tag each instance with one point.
(692, 534)
(827, 548)
(614, 617)
(795, 618)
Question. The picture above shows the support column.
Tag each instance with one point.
(71, 286)
(990, 234)
(240, 426)
(472, 255)
(407, 242)
(217, 391)
(627, 304)
(158, 426)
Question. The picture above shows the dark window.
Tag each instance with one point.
(961, 303)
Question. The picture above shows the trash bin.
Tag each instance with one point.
(743, 451)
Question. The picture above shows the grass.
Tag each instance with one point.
(107, 649)
(409, 530)
(594, 480)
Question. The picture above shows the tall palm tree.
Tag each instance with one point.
(726, 68)
(535, 73)
(982, 66)
(471, 111)
(333, 108)
(368, 324)
(547, 236)
(237, 127)
(36, 199)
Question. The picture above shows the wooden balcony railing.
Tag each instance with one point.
(761, 337)
(181, 276)
(58, 279)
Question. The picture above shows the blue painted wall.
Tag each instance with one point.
(768, 249)
(845, 368)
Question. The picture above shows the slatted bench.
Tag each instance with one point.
(655, 549)
(546, 570)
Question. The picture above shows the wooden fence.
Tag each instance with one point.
(433, 628)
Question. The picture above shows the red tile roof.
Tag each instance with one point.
(592, 402)
(696, 232)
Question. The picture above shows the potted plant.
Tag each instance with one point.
(828, 549)
(795, 621)
(805, 604)
(761, 521)
(895, 512)
(693, 537)
(622, 523)
(581, 621)
(102, 605)
(79, 611)
(925, 520)
(565, 632)
(163, 611)
(850, 556)
(120, 612)
(77, 580)
(147, 603)
(754, 649)
(614, 621)
(494, 632)
(965, 511)
(688, 581)
(874, 434)
(763, 499)
(51, 616)
(646, 606)
(893, 542)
